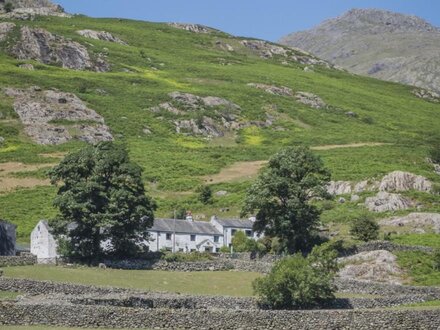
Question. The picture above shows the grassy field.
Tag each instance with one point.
(431, 240)
(419, 266)
(392, 125)
(204, 283)
(6, 295)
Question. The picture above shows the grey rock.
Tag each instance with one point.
(385, 201)
(377, 43)
(404, 181)
(341, 200)
(37, 110)
(5, 28)
(275, 90)
(339, 187)
(41, 45)
(27, 66)
(28, 9)
(100, 35)
(221, 193)
(426, 95)
(354, 198)
(351, 114)
(310, 99)
(415, 220)
(195, 28)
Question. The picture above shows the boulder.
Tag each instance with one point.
(40, 111)
(372, 266)
(426, 95)
(354, 198)
(404, 181)
(221, 193)
(40, 45)
(415, 220)
(310, 99)
(385, 201)
(5, 28)
(275, 90)
(339, 187)
(28, 9)
(100, 35)
(26, 66)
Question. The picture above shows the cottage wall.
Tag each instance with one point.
(43, 244)
(183, 242)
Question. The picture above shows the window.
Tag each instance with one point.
(169, 237)
(193, 250)
(180, 249)
(193, 238)
(217, 250)
(233, 231)
(248, 233)
(216, 238)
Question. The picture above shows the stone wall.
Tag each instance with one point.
(114, 317)
(24, 259)
(389, 246)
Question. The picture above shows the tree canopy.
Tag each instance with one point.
(101, 201)
(281, 197)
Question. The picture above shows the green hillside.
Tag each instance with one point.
(391, 130)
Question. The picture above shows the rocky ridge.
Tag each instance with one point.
(47, 114)
(418, 222)
(28, 9)
(377, 43)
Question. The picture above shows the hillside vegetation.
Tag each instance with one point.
(367, 128)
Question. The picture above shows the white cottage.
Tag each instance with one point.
(43, 244)
(184, 236)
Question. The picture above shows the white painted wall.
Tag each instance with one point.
(43, 245)
(183, 243)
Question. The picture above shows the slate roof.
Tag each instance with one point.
(184, 226)
(236, 223)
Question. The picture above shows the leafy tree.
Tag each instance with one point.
(281, 198)
(299, 282)
(365, 229)
(242, 243)
(205, 194)
(101, 198)
(9, 7)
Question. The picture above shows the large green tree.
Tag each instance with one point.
(101, 198)
(281, 197)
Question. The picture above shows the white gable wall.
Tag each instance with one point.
(43, 244)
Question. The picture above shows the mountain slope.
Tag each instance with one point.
(189, 105)
(379, 44)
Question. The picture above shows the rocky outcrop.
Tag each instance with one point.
(373, 266)
(26, 9)
(269, 50)
(404, 181)
(5, 28)
(41, 45)
(196, 28)
(100, 35)
(426, 95)
(339, 187)
(54, 117)
(414, 221)
(215, 114)
(385, 201)
(310, 99)
(275, 90)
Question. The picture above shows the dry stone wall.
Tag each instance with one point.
(25, 259)
(117, 317)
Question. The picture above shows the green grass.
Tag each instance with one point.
(419, 266)
(204, 283)
(431, 303)
(7, 295)
(193, 63)
(431, 240)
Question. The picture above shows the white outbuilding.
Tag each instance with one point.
(43, 244)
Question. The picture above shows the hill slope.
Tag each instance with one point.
(377, 43)
(192, 104)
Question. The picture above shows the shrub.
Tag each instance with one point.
(205, 194)
(242, 243)
(225, 249)
(9, 7)
(299, 282)
(186, 257)
(436, 261)
(365, 229)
